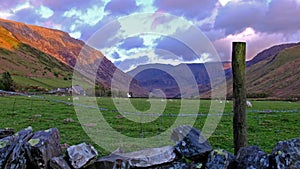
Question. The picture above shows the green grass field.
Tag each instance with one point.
(268, 121)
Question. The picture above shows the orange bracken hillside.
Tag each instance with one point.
(53, 42)
(7, 41)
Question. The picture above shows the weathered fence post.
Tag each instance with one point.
(239, 95)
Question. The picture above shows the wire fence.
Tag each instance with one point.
(265, 127)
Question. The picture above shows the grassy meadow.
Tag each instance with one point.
(268, 121)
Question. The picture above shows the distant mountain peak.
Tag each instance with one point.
(270, 52)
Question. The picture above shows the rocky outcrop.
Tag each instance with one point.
(42, 150)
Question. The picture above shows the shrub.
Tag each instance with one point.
(6, 82)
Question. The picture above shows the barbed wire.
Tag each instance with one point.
(199, 114)
(258, 115)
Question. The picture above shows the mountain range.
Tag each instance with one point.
(37, 56)
(272, 73)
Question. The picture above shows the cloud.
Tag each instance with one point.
(177, 48)
(30, 13)
(256, 42)
(66, 4)
(273, 17)
(75, 35)
(132, 42)
(44, 12)
(281, 17)
(236, 16)
(104, 38)
(271, 22)
(146, 6)
(12, 9)
(192, 9)
(90, 16)
(121, 7)
(116, 55)
(9, 4)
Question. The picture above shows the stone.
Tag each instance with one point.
(9, 147)
(81, 155)
(150, 157)
(6, 132)
(59, 163)
(190, 143)
(111, 161)
(286, 155)
(251, 157)
(68, 120)
(139, 159)
(219, 159)
(18, 159)
(173, 165)
(44, 146)
(24, 135)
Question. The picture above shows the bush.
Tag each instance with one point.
(6, 82)
(55, 74)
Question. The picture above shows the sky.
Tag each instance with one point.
(137, 32)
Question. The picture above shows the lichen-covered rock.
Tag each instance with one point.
(251, 157)
(10, 147)
(219, 159)
(59, 163)
(18, 159)
(6, 132)
(191, 143)
(81, 155)
(286, 155)
(44, 146)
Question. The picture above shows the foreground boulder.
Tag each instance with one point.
(138, 159)
(18, 157)
(44, 146)
(14, 149)
(219, 159)
(250, 157)
(150, 157)
(191, 143)
(81, 155)
(286, 155)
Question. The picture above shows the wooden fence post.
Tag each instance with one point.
(239, 95)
